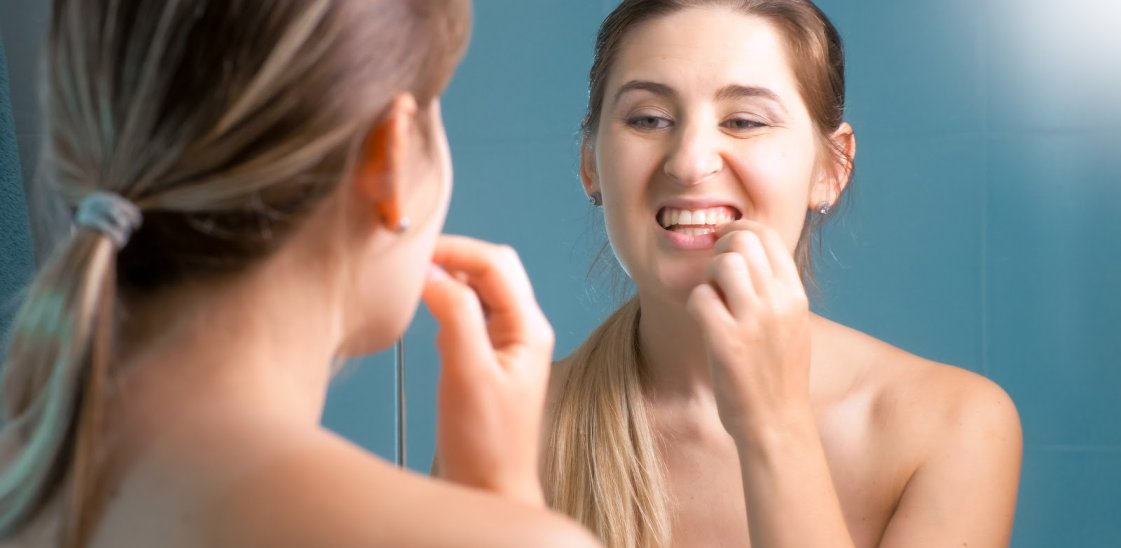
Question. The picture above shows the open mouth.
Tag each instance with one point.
(696, 222)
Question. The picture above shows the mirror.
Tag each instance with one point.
(980, 229)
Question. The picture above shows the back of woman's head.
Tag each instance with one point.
(225, 122)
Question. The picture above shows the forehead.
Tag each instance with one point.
(704, 49)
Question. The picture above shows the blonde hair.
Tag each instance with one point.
(226, 122)
(602, 465)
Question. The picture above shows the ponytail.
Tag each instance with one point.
(53, 388)
(602, 466)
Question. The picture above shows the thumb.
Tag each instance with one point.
(708, 309)
(463, 337)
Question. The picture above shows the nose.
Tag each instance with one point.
(695, 156)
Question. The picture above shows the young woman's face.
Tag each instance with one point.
(702, 123)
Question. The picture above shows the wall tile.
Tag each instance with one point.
(1054, 261)
(912, 66)
(1049, 68)
(29, 153)
(23, 24)
(362, 404)
(902, 260)
(525, 74)
(1069, 498)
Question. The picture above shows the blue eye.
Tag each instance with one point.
(742, 124)
(648, 123)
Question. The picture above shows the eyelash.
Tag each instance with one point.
(637, 122)
(750, 124)
(744, 124)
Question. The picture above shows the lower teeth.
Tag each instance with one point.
(694, 231)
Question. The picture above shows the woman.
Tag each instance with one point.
(714, 408)
(244, 177)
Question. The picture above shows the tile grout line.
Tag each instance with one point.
(1062, 448)
(983, 91)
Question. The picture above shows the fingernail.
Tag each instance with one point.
(435, 272)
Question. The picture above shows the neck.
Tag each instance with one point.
(675, 359)
(262, 343)
(673, 352)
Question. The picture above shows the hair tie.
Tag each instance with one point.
(110, 214)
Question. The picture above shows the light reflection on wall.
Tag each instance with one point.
(1065, 58)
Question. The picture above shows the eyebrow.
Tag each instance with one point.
(731, 91)
(661, 90)
(735, 91)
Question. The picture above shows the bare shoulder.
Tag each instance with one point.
(912, 395)
(952, 435)
(335, 494)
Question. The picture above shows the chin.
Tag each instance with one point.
(673, 283)
(376, 336)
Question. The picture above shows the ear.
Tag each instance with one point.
(834, 176)
(381, 170)
(588, 173)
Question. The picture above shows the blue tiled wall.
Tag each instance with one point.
(984, 228)
(15, 243)
(982, 232)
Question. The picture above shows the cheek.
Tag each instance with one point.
(623, 168)
(386, 291)
(624, 175)
(777, 175)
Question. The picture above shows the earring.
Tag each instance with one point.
(824, 208)
(400, 227)
(596, 199)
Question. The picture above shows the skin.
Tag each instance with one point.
(215, 437)
(783, 428)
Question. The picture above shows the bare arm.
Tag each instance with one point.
(965, 494)
(789, 492)
(754, 314)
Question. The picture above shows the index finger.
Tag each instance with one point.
(496, 273)
(780, 258)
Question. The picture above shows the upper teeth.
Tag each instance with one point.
(713, 216)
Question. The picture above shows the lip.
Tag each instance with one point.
(687, 242)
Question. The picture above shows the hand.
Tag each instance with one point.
(496, 347)
(754, 314)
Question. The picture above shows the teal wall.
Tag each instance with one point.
(15, 245)
(984, 227)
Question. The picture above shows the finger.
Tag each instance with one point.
(779, 258)
(782, 261)
(729, 274)
(706, 307)
(748, 244)
(497, 275)
(463, 339)
(741, 224)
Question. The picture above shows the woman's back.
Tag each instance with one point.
(219, 487)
